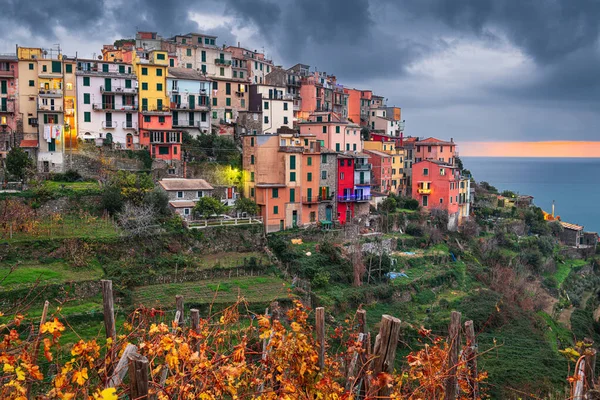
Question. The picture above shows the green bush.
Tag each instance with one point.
(415, 230)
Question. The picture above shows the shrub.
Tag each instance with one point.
(209, 206)
(414, 230)
(112, 199)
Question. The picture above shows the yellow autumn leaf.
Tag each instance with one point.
(8, 368)
(20, 374)
(106, 394)
(80, 376)
(53, 327)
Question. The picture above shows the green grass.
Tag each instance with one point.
(28, 273)
(555, 331)
(71, 226)
(228, 260)
(564, 269)
(73, 186)
(256, 289)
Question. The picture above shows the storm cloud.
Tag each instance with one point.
(468, 69)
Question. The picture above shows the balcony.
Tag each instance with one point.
(157, 111)
(45, 108)
(50, 75)
(423, 191)
(219, 61)
(130, 125)
(326, 198)
(364, 182)
(291, 149)
(310, 199)
(109, 124)
(362, 167)
(118, 89)
(186, 106)
(354, 198)
(188, 124)
(50, 92)
(114, 108)
(7, 73)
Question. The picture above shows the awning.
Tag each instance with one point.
(182, 204)
(29, 143)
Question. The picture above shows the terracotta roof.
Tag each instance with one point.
(378, 153)
(572, 227)
(29, 143)
(182, 204)
(438, 162)
(185, 184)
(432, 140)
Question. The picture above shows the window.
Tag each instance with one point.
(188, 65)
(214, 114)
(161, 56)
(266, 119)
(228, 89)
(337, 148)
(309, 177)
(158, 71)
(161, 119)
(292, 177)
(86, 98)
(252, 159)
(292, 195)
(275, 209)
(235, 74)
(313, 216)
(31, 66)
(324, 129)
(144, 71)
(222, 71)
(159, 87)
(144, 85)
(188, 52)
(203, 117)
(251, 192)
(275, 193)
(285, 106)
(442, 171)
(266, 105)
(228, 101)
(292, 162)
(206, 41)
(180, 195)
(171, 62)
(309, 161)
(127, 83)
(252, 142)
(186, 211)
(203, 56)
(214, 101)
(425, 201)
(354, 147)
(251, 176)
(341, 176)
(323, 158)
(69, 68)
(450, 200)
(347, 146)
(337, 129)
(242, 74)
(147, 118)
(31, 83)
(87, 116)
(285, 120)
(323, 174)
(86, 81)
(243, 103)
(425, 171)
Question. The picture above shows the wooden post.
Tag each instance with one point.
(195, 319)
(138, 377)
(351, 378)
(117, 378)
(454, 341)
(590, 364)
(361, 320)
(37, 339)
(109, 309)
(580, 374)
(179, 304)
(320, 327)
(471, 358)
(385, 349)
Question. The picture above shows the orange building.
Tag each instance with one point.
(435, 149)
(281, 174)
(333, 131)
(382, 170)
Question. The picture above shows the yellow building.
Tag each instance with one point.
(70, 101)
(397, 181)
(152, 81)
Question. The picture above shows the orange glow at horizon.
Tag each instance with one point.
(530, 149)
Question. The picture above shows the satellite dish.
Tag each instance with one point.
(99, 57)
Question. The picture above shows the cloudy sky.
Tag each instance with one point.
(474, 70)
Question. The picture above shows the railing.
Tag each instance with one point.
(49, 108)
(113, 107)
(118, 89)
(186, 106)
(219, 61)
(188, 123)
(424, 191)
(50, 92)
(285, 96)
(291, 149)
(7, 73)
(354, 197)
(310, 199)
(156, 110)
(130, 125)
(109, 124)
(364, 182)
(210, 223)
(326, 198)
(362, 167)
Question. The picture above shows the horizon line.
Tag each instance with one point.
(530, 149)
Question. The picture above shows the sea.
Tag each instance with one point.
(572, 183)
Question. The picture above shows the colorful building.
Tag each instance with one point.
(382, 122)
(274, 105)
(189, 91)
(9, 103)
(353, 186)
(436, 185)
(382, 170)
(435, 149)
(229, 97)
(464, 199)
(335, 133)
(107, 103)
(392, 148)
(328, 186)
(258, 66)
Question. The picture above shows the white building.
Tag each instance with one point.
(189, 91)
(107, 103)
(380, 121)
(276, 106)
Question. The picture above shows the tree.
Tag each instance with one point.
(112, 199)
(137, 220)
(158, 200)
(388, 205)
(209, 206)
(18, 162)
(245, 205)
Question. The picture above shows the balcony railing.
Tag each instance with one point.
(364, 182)
(354, 197)
(326, 198)
(186, 106)
(291, 149)
(423, 191)
(219, 61)
(50, 92)
(157, 111)
(362, 167)
(187, 123)
(310, 199)
(109, 124)
(7, 73)
(130, 125)
(49, 108)
(118, 89)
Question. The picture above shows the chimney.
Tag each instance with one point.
(451, 140)
(239, 44)
(401, 139)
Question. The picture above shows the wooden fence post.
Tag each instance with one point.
(138, 377)
(117, 378)
(590, 370)
(471, 358)
(361, 320)
(109, 309)
(179, 306)
(320, 327)
(384, 351)
(454, 341)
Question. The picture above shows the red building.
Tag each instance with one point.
(436, 185)
(382, 170)
(157, 135)
(345, 188)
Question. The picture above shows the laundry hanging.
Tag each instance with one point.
(48, 133)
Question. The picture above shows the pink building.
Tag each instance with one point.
(436, 185)
(382, 170)
(333, 131)
(9, 103)
(435, 149)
